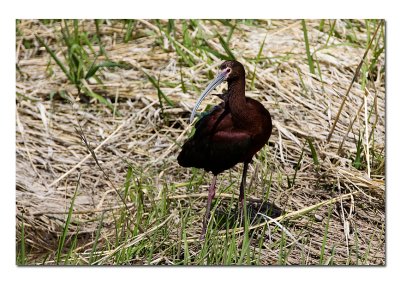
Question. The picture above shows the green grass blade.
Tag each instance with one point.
(129, 29)
(214, 52)
(226, 48)
(76, 31)
(291, 184)
(92, 69)
(55, 58)
(309, 57)
(128, 179)
(359, 148)
(86, 41)
(66, 34)
(157, 86)
(282, 249)
(96, 239)
(256, 61)
(76, 63)
(171, 27)
(246, 239)
(97, 38)
(313, 151)
(188, 59)
(67, 222)
(106, 64)
(185, 58)
(71, 249)
(100, 98)
(231, 30)
(187, 41)
(301, 79)
(321, 25)
(331, 32)
(184, 90)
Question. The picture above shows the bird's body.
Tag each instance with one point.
(232, 132)
(222, 138)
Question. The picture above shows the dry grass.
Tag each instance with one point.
(331, 206)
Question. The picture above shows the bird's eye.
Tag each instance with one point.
(229, 70)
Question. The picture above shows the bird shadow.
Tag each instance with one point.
(228, 217)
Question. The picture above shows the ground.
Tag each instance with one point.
(102, 108)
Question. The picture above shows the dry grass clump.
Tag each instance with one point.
(332, 191)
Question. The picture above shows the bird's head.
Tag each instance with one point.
(233, 70)
(229, 71)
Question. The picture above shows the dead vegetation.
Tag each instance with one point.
(334, 197)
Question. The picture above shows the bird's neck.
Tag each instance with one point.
(237, 99)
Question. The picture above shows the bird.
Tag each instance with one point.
(231, 133)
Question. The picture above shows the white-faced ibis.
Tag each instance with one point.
(232, 132)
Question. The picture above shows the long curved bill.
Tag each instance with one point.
(216, 82)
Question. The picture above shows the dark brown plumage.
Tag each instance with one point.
(232, 132)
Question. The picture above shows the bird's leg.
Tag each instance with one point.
(242, 186)
(243, 183)
(211, 194)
